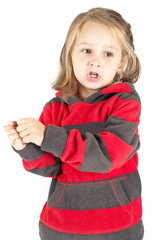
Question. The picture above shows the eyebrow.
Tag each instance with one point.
(106, 46)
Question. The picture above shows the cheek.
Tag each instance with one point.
(78, 66)
(74, 65)
(110, 70)
(77, 70)
(111, 66)
(110, 73)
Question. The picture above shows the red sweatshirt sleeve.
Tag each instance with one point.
(38, 161)
(102, 152)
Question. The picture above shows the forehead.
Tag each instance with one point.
(98, 33)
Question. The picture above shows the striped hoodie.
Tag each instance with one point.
(90, 152)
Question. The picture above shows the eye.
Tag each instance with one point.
(86, 51)
(108, 54)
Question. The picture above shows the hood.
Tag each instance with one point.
(101, 95)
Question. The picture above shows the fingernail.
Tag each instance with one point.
(14, 123)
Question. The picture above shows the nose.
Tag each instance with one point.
(95, 62)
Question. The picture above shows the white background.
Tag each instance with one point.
(32, 33)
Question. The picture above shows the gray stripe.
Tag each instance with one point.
(117, 126)
(47, 171)
(52, 201)
(135, 150)
(98, 97)
(128, 96)
(54, 140)
(94, 98)
(92, 127)
(135, 232)
(132, 87)
(70, 100)
(31, 152)
(122, 129)
(96, 158)
(52, 187)
(102, 194)
(56, 99)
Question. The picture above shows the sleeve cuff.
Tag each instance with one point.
(54, 140)
(31, 152)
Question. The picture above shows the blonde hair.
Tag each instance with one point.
(66, 81)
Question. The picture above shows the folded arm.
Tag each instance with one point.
(104, 151)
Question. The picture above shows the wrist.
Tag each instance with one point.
(43, 136)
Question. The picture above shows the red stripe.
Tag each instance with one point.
(94, 112)
(119, 87)
(118, 150)
(58, 94)
(55, 113)
(137, 132)
(70, 174)
(92, 221)
(127, 110)
(74, 150)
(42, 162)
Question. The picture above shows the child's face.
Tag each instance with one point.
(96, 58)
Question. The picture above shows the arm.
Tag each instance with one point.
(102, 152)
(34, 159)
(39, 162)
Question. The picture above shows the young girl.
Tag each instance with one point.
(87, 137)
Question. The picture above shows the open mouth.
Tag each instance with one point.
(93, 76)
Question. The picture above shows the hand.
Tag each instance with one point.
(13, 135)
(31, 130)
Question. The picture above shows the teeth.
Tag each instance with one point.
(94, 75)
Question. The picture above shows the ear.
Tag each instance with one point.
(123, 64)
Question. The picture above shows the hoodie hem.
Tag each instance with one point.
(135, 232)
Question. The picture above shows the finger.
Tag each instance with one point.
(13, 137)
(26, 139)
(7, 127)
(22, 127)
(24, 120)
(9, 131)
(24, 133)
(19, 144)
(12, 123)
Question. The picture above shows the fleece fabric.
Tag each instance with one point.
(90, 152)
